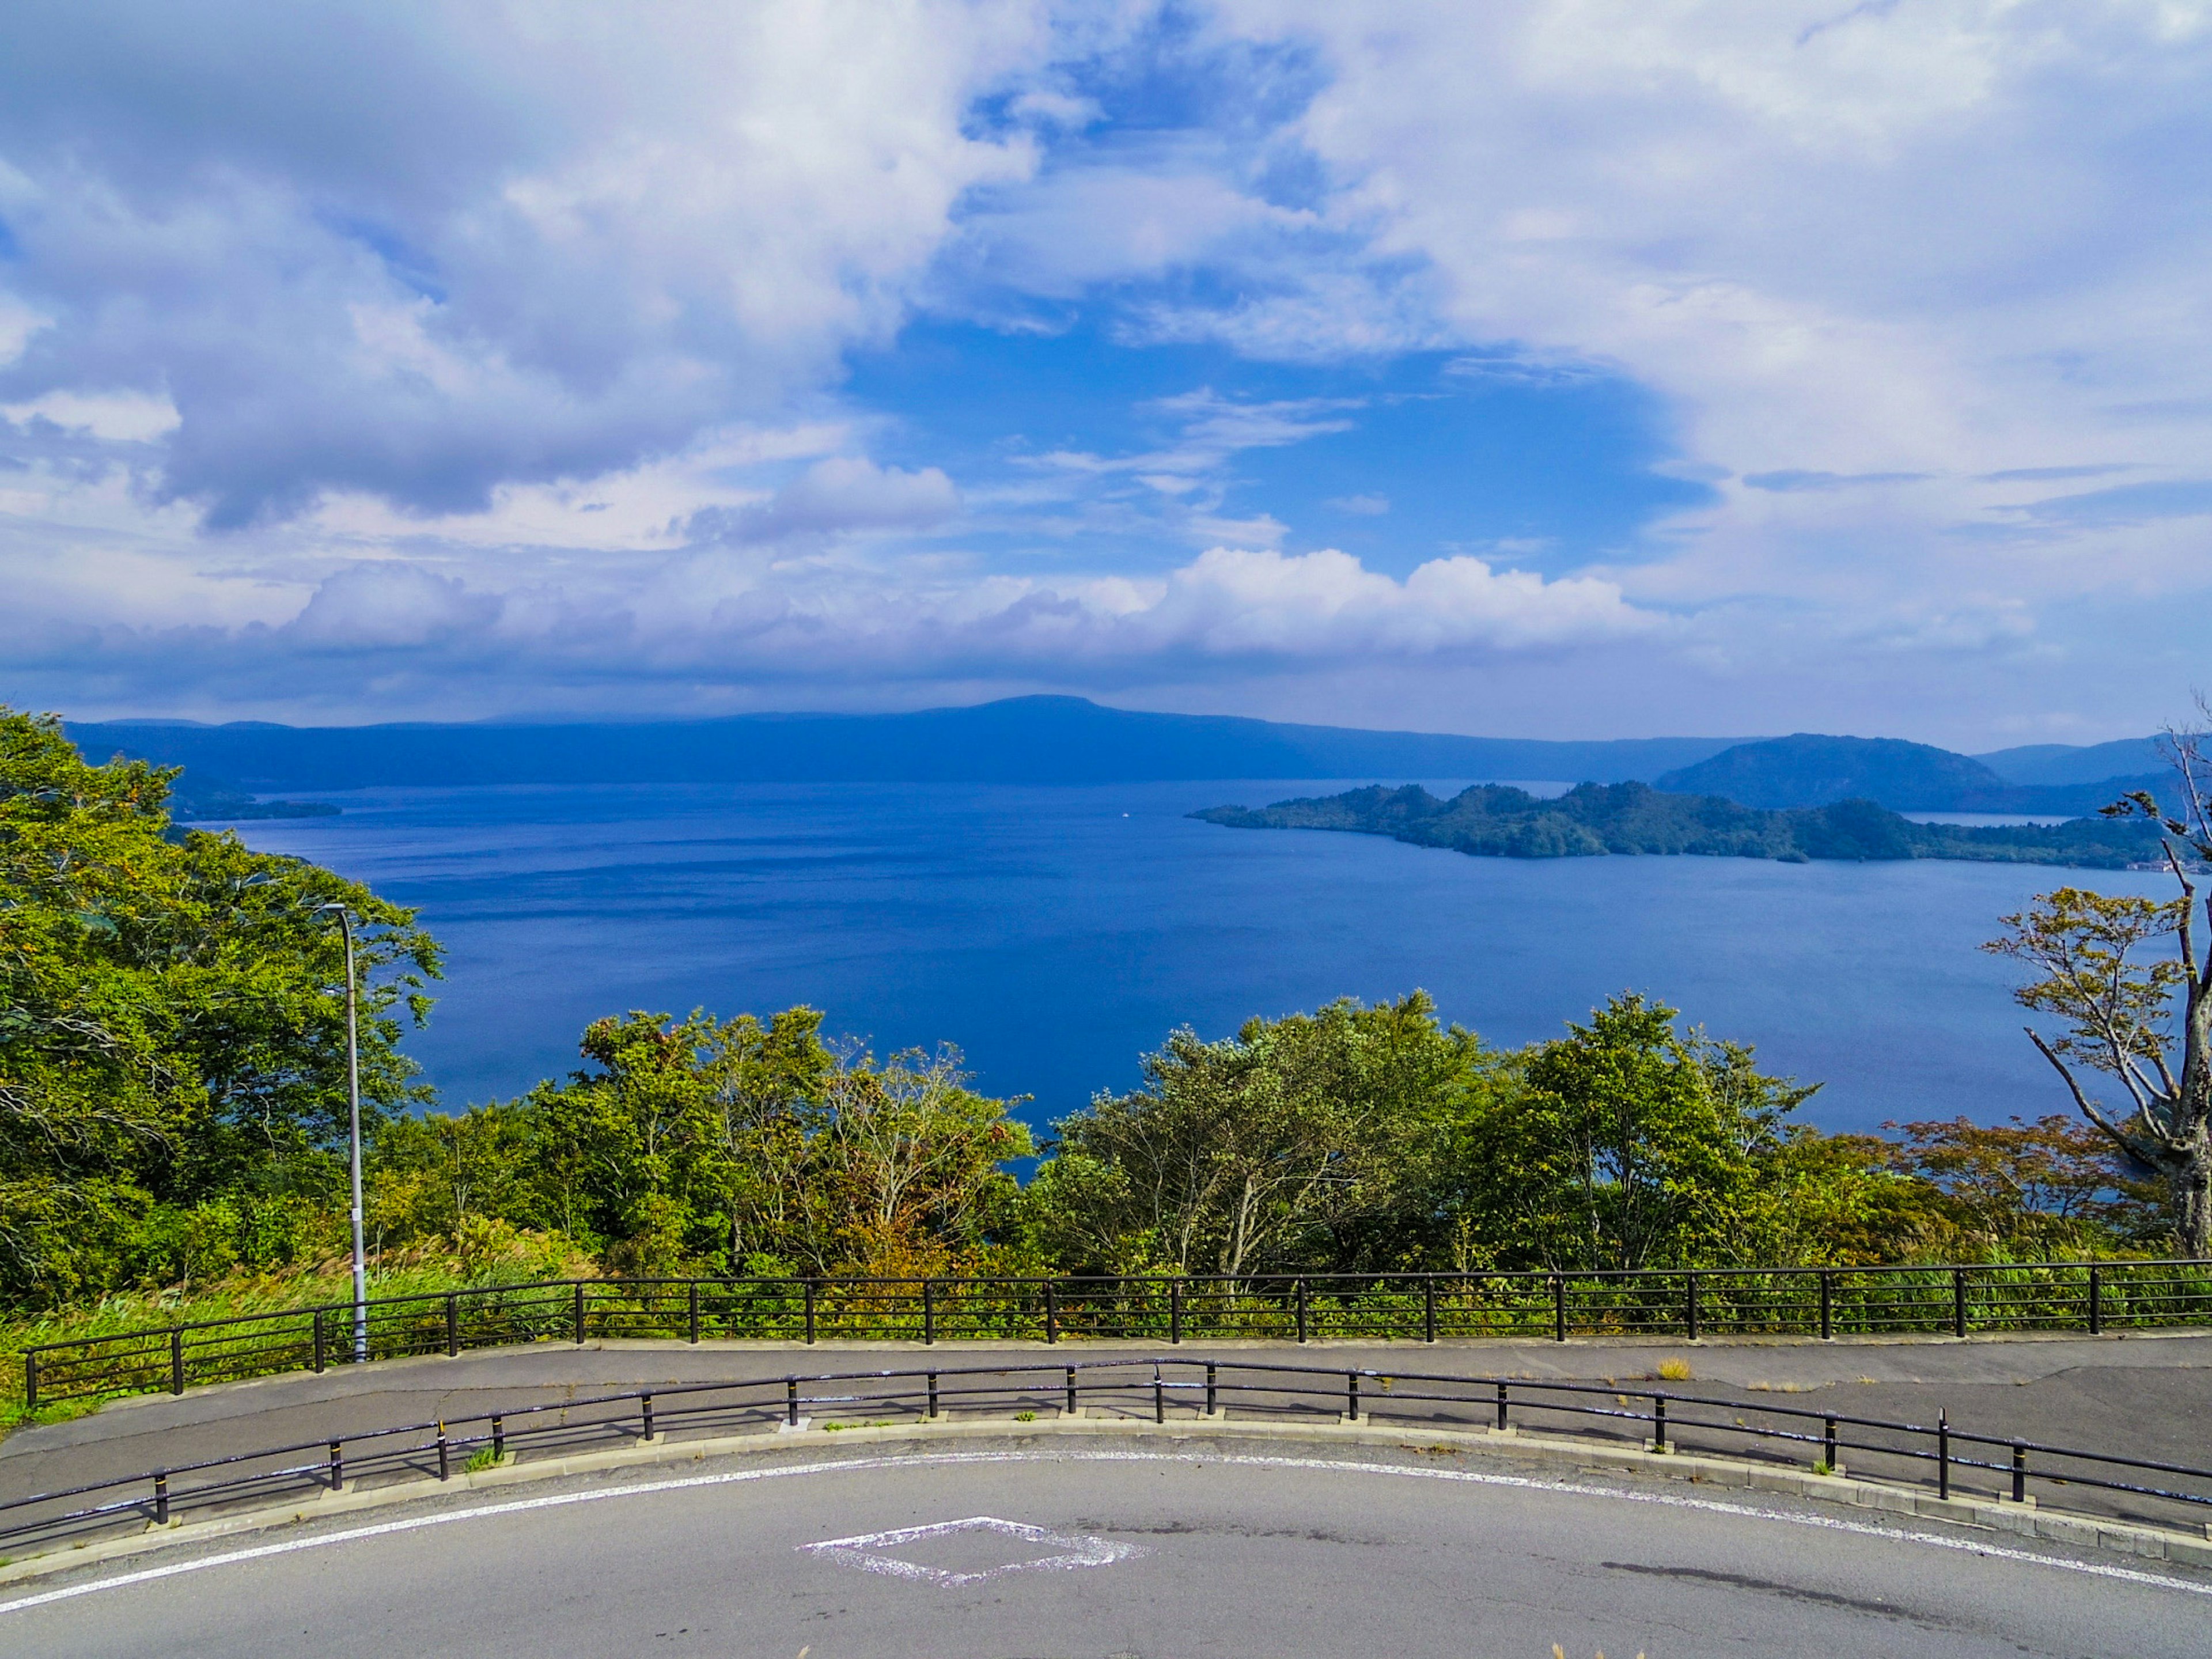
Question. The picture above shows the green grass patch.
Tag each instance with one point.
(429, 1271)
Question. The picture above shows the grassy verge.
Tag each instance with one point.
(524, 1258)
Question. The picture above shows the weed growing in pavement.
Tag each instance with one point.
(1674, 1371)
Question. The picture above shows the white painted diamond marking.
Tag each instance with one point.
(866, 1550)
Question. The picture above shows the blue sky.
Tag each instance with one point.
(1557, 368)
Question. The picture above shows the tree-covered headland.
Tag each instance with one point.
(171, 1115)
(1497, 820)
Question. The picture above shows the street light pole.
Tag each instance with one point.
(353, 1110)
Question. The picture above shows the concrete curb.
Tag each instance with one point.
(2021, 1521)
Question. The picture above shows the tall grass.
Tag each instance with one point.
(515, 1259)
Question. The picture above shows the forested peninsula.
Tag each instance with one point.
(1494, 820)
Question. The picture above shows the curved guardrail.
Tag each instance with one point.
(1160, 1388)
(1956, 1300)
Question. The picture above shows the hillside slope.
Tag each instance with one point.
(1808, 769)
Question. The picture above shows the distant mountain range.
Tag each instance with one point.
(1808, 770)
(1018, 740)
(1072, 740)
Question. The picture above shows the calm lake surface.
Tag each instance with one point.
(1057, 933)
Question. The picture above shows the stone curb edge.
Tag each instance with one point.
(2021, 1521)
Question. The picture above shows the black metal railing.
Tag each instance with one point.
(1825, 1302)
(1954, 1463)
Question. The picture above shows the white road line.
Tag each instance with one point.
(944, 1460)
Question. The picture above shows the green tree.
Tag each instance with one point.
(172, 1019)
(1627, 1145)
(697, 1144)
(1299, 1142)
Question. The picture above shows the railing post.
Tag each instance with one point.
(933, 1394)
(1051, 1312)
(2096, 1301)
(1212, 1378)
(1828, 1442)
(445, 1454)
(1071, 1390)
(809, 1313)
(1691, 1278)
(1558, 1307)
(790, 1400)
(694, 1313)
(321, 1342)
(1351, 1396)
(161, 1498)
(645, 1406)
(453, 1325)
(1659, 1422)
(1428, 1311)
(2018, 1473)
(177, 1360)
(1159, 1397)
(1958, 1302)
(1943, 1454)
(1827, 1306)
(337, 1466)
(929, 1313)
(31, 1381)
(580, 1313)
(1501, 1407)
(1175, 1311)
(1302, 1307)
(498, 1436)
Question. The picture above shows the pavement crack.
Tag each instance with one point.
(1774, 1587)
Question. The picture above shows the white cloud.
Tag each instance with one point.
(118, 417)
(839, 494)
(475, 248)
(1229, 602)
(386, 606)
(511, 337)
(1847, 246)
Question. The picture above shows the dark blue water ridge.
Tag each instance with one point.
(1057, 932)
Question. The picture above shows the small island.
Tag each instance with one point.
(1495, 820)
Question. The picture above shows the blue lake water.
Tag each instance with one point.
(1057, 933)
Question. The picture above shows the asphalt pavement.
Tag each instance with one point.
(1024, 1550)
(2139, 1395)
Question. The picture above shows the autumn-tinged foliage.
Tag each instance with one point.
(2129, 980)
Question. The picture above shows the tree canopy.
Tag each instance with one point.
(173, 1108)
(171, 1027)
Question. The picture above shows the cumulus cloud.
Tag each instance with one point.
(839, 494)
(1231, 602)
(1848, 245)
(431, 338)
(731, 626)
(420, 252)
(381, 606)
